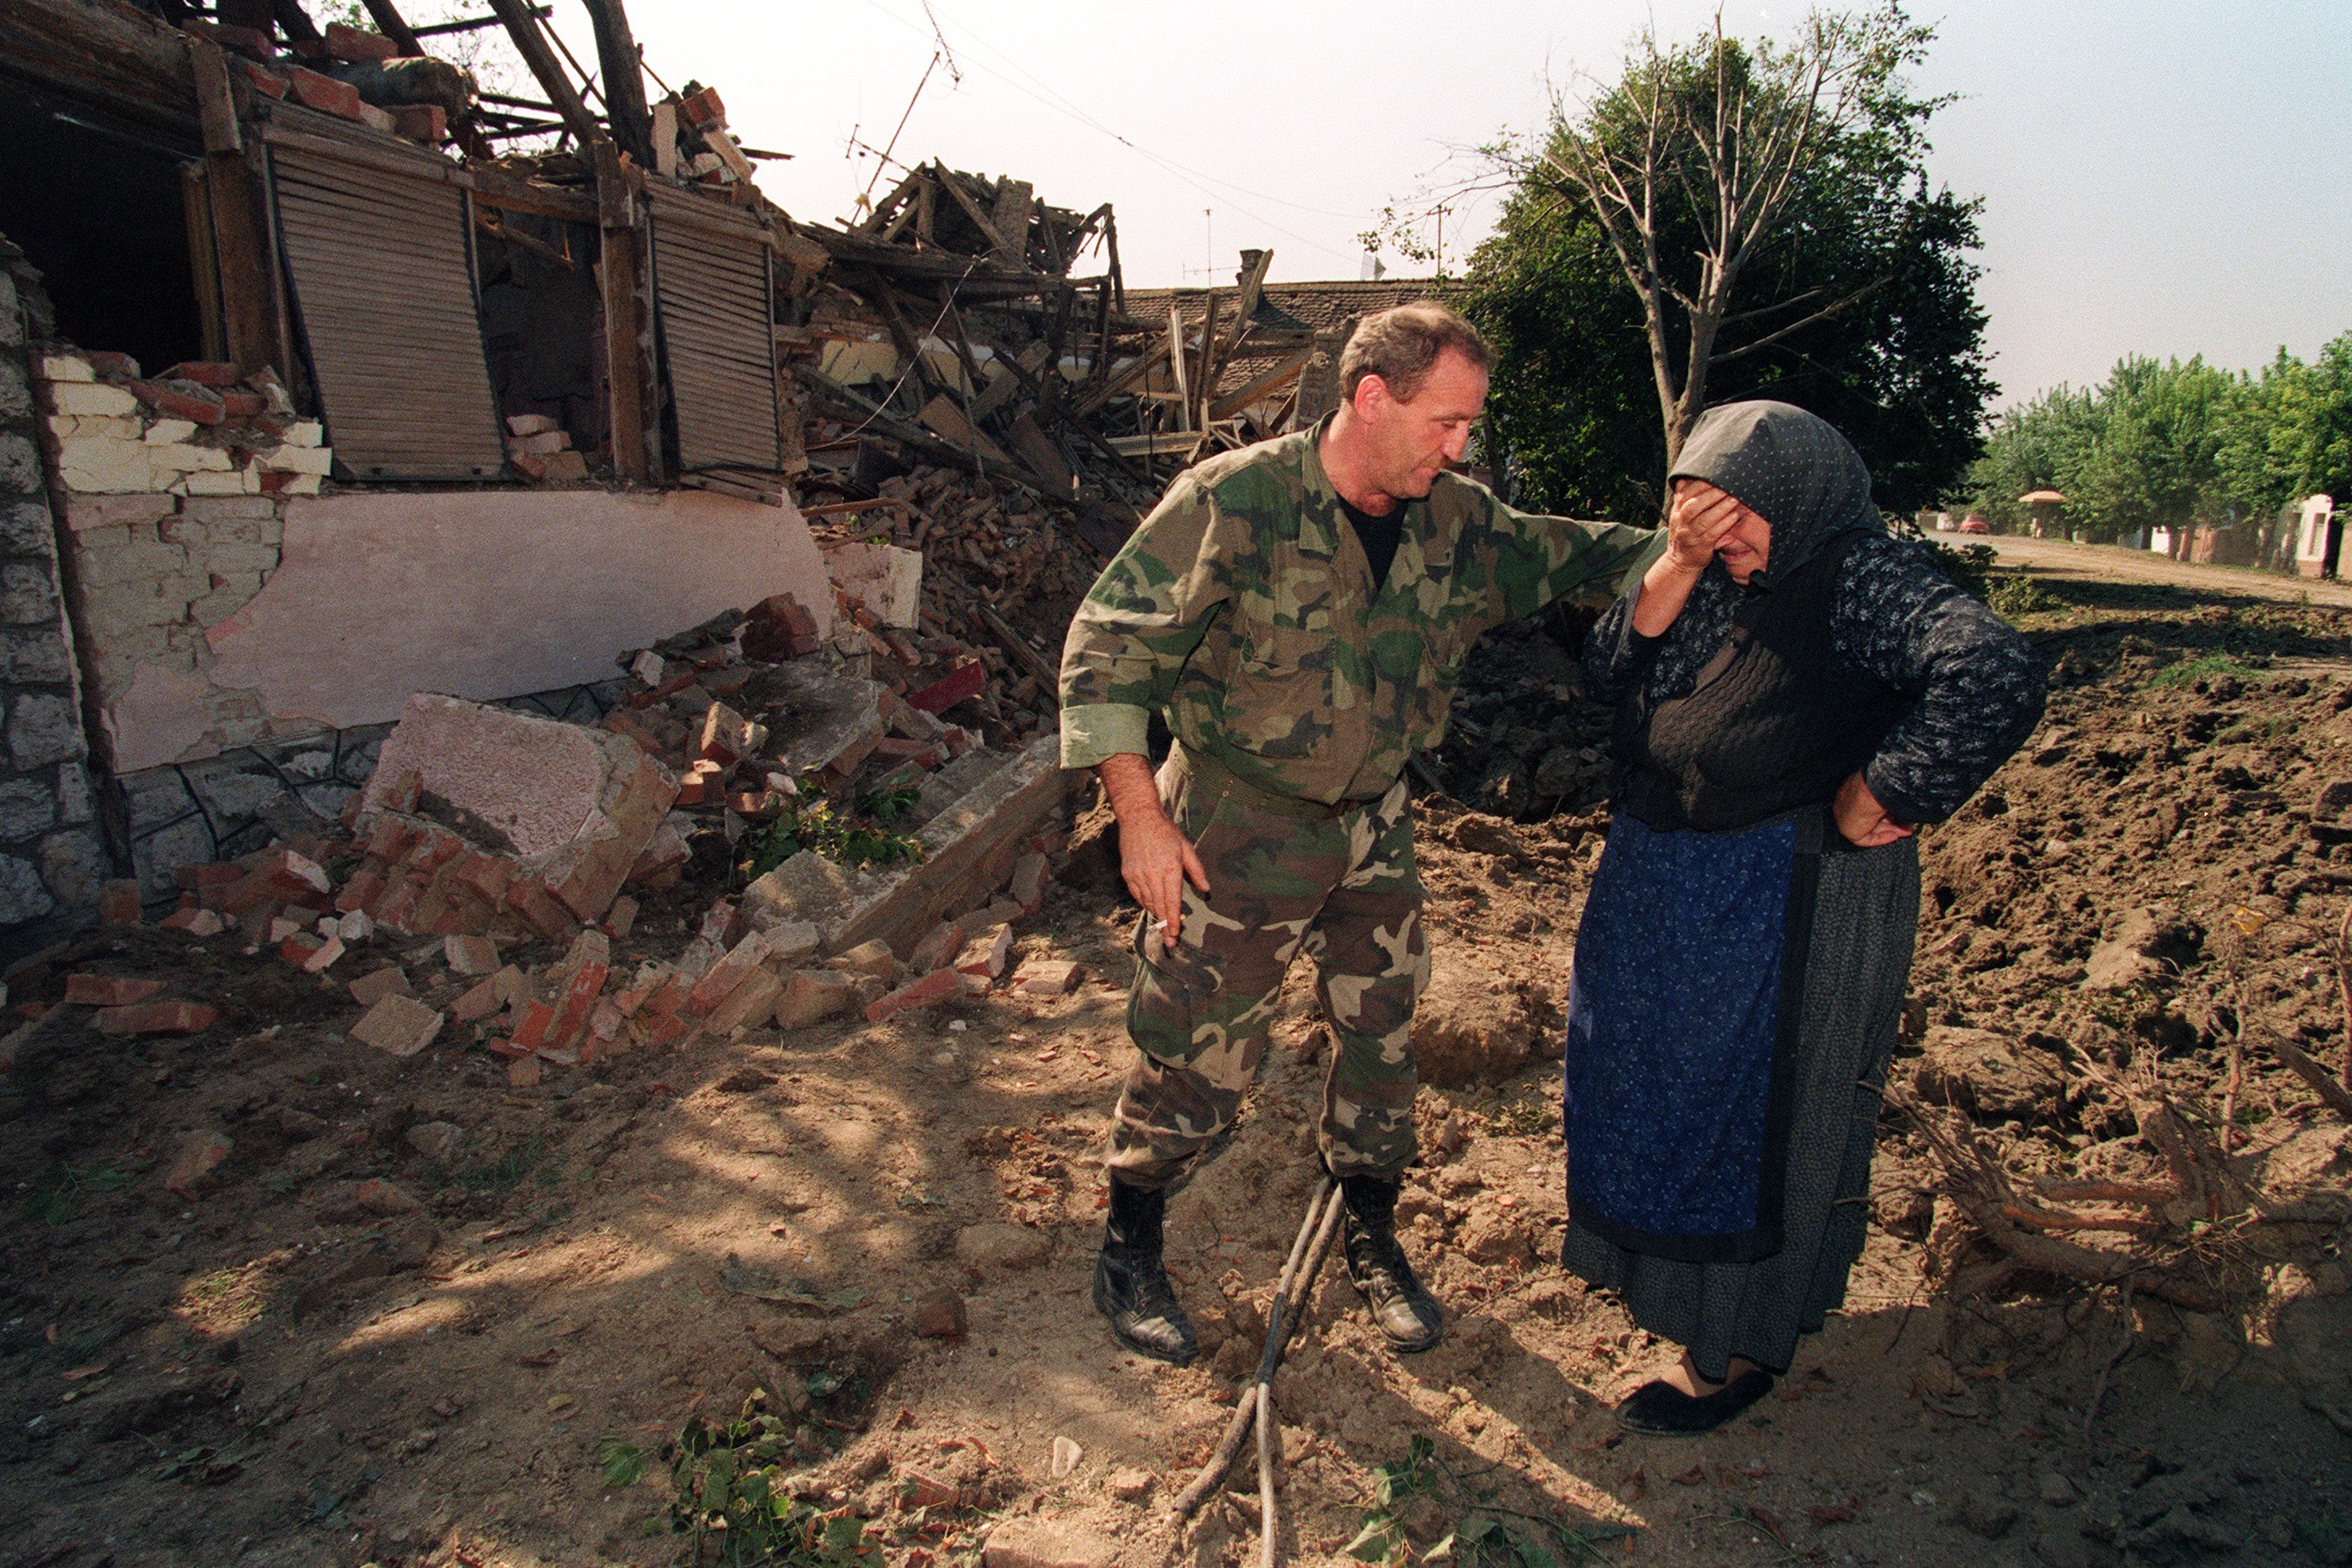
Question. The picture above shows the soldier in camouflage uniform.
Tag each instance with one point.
(1299, 610)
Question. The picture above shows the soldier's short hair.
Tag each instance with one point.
(1400, 345)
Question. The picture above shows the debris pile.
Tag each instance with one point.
(196, 429)
(351, 73)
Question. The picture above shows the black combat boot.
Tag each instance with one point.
(1132, 1286)
(1403, 1308)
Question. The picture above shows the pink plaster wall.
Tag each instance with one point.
(478, 593)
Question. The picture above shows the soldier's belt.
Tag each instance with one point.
(1212, 775)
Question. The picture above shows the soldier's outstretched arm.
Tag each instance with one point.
(1544, 558)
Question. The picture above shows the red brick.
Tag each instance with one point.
(540, 907)
(389, 837)
(118, 903)
(471, 955)
(702, 783)
(396, 911)
(724, 976)
(264, 82)
(940, 696)
(357, 44)
(242, 404)
(780, 627)
(664, 1028)
(204, 372)
(433, 848)
(530, 1032)
(983, 957)
(936, 986)
(476, 1004)
(621, 918)
(590, 963)
(703, 109)
(1047, 977)
(157, 1018)
(185, 917)
(484, 875)
(298, 948)
(370, 989)
(254, 42)
(399, 1025)
(186, 401)
(939, 944)
(323, 93)
(217, 874)
(108, 990)
(361, 892)
(1027, 886)
(523, 1072)
(753, 1002)
(669, 997)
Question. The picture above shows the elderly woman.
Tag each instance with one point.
(1796, 693)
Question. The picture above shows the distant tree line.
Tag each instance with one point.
(2175, 445)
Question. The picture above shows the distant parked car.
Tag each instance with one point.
(1974, 525)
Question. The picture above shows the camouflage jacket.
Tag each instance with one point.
(1242, 609)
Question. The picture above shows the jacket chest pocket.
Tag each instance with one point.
(1280, 702)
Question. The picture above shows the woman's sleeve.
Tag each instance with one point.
(1616, 657)
(1977, 685)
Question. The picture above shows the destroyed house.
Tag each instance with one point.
(313, 400)
(316, 393)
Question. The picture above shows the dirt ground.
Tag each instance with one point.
(299, 1367)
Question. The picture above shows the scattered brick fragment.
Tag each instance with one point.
(398, 1026)
(752, 1001)
(984, 956)
(195, 1170)
(1047, 977)
(470, 955)
(936, 986)
(370, 989)
(108, 990)
(157, 1018)
(118, 903)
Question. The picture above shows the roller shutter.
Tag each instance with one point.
(382, 266)
(711, 294)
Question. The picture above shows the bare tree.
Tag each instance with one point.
(1694, 160)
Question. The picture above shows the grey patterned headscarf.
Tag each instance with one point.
(1795, 470)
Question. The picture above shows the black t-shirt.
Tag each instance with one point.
(1380, 536)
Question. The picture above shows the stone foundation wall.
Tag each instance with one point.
(52, 857)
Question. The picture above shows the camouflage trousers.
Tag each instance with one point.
(1341, 889)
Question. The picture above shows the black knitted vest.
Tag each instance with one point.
(1775, 721)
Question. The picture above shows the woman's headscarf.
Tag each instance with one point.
(1795, 470)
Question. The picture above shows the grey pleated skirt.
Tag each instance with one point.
(1857, 965)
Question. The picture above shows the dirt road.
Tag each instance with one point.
(2057, 560)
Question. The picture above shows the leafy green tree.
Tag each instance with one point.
(1731, 221)
(2041, 445)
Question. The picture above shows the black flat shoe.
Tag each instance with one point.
(1662, 1410)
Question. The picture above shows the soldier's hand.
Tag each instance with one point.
(1153, 856)
(1157, 861)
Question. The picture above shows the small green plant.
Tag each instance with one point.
(1381, 1539)
(860, 837)
(2013, 594)
(728, 1492)
(2189, 672)
(52, 1199)
(1486, 1536)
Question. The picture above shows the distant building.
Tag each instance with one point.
(2318, 537)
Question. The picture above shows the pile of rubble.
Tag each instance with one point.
(349, 72)
(483, 831)
(196, 429)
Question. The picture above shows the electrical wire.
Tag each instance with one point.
(1191, 177)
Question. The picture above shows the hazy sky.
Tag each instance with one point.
(2162, 178)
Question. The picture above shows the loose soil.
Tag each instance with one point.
(284, 1369)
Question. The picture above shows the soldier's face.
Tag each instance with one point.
(1414, 442)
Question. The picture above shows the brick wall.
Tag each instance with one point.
(52, 856)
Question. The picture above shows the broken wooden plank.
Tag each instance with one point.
(1272, 381)
(947, 421)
